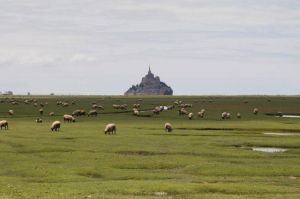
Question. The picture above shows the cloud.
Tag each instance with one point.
(97, 41)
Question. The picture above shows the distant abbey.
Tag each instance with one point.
(150, 85)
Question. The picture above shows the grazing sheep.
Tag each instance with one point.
(115, 106)
(168, 127)
(39, 120)
(224, 115)
(4, 124)
(92, 113)
(41, 111)
(185, 105)
(14, 103)
(55, 126)
(156, 111)
(191, 115)
(69, 118)
(78, 113)
(11, 112)
(35, 104)
(65, 104)
(201, 113)
(51, 114)
(82, 112)
(170, 107)
(228, 115)
(136, 105)
(182, 111)
(238, 115)
(95, 106)
(136, 112)
(123, 106)
(110, 129)
(255, 111)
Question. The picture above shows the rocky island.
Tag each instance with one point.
(150, 85)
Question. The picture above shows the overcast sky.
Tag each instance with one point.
(104, 46)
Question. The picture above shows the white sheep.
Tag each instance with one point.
(11, 112)
(69, 118)
(224, 115)
(191, 115)
(168, 127)
(228, 115)
(92, 113)
(255, 111)
(55, 126)
(136, 112)
(39, 120)
(110, 129)
(238, 115)
(4, 124)
(201, 113)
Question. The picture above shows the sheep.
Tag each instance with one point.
(201, 113)
(136, 105)
(136, 112)
(156, 111)
(14, 103)
(228, 115)
(168, 127)
(110, 129)
(78, 113)
(55, 126)
(115, 106)
(224, 115)
(170, 107)
(185, 105)
(65, 104)
(82, 112)
(69, 118)
(191, 115)
(95, 106)
(11, 112)
(41, 111)
(4, 124)
(238, 115)
(51, 114)
(123, 106)
(255, 111)
(92, 113)
(39, 120)
(182, 112)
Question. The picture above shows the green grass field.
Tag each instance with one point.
(202, 158)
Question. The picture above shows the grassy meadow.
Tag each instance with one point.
(206, 157)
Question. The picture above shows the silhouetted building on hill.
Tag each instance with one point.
(150, 85)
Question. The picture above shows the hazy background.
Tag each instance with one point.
(105, 46)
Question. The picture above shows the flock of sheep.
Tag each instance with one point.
(111, 128)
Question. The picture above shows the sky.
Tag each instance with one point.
(102, 47)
